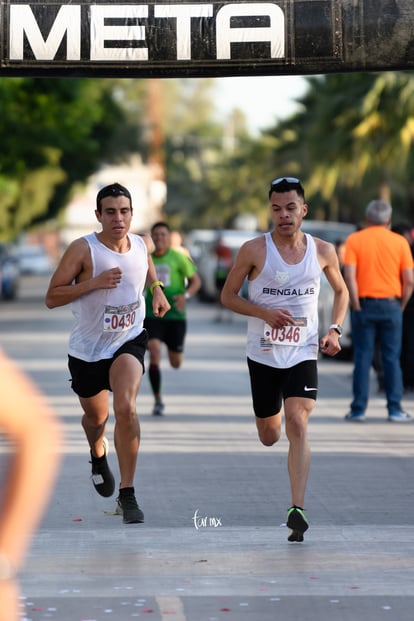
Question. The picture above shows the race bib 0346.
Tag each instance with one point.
(288, 335)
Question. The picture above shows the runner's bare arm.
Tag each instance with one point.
(73, 276)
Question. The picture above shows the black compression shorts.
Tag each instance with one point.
(271, 386)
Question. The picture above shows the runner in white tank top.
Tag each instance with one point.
(106, 318)
(102, 276)
(296, 289)
(283, 269)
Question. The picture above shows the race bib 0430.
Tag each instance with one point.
(120, 318)
(288, 335)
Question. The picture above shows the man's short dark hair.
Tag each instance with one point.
(159, 224)
(114, 189)
(286, 184)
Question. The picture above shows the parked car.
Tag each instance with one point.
(335, 233)
(9, 273)
(33, 259)
(201, 244)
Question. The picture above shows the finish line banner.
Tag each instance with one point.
(172, 39)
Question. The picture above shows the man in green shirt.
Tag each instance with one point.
(178, 276)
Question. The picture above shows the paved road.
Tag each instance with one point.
(213, 546)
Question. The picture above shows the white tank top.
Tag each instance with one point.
(291, 287)
(106, 318)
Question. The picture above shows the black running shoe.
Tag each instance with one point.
(297, 521)
(102, 477)
(127, 506)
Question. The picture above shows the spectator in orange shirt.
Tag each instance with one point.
(378, 269)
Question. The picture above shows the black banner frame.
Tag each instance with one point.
(162, 38)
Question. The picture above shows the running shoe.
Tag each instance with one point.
(127, 506)
(158, 409)
(297, 521)
(102, 477)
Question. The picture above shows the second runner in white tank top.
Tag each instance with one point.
(281, 285)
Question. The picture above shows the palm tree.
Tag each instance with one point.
(354, 132)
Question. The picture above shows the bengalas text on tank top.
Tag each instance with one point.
(106, 318)
(281, 285)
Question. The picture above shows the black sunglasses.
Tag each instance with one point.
(287, 179)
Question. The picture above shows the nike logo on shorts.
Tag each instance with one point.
(306, 389)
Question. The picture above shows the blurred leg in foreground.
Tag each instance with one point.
(32, 432)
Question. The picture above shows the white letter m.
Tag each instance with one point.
(23, 21)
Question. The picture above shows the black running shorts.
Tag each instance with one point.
(270, 386)
(89, 378)
(170, 331)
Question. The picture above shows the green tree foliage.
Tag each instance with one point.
(214, 167)
(193, 143)
(173, 122)
(54, 132)
(352, 141)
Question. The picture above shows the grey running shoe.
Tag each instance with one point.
(102, 477)
(158, 409)
(297, 521)
(127, 506)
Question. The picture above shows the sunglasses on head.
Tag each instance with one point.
(287, 179)
(114, 189)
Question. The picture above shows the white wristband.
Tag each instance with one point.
(187, 295)
(337, 328)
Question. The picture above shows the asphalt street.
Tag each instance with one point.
(214, 543)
